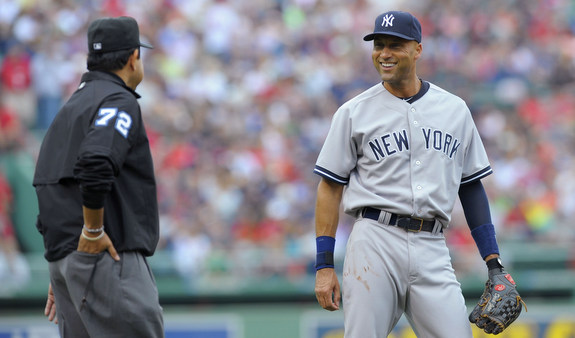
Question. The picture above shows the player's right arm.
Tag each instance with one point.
(329, 193)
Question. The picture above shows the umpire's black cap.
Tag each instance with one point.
(397, 23)
(113, 34)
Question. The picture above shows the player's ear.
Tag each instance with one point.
(418, 50)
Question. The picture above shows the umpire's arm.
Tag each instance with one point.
(329, 193)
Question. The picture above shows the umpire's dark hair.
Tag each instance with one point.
(110, 61)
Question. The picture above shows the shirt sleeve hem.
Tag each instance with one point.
(330, 175)
(478, 175)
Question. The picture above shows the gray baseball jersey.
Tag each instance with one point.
(405, 158)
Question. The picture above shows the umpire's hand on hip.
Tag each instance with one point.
(91, 246)
(327, 290)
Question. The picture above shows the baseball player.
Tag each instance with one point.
(397, 156)
(96, 192)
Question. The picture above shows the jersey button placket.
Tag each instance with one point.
(416, 169)
(414, 121)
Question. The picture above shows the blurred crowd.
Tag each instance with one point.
(238, 97)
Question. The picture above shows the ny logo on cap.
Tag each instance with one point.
(97, 46)
(387, 20)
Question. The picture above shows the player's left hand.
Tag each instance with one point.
(499, 305)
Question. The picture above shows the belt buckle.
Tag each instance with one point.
(406, 222)
(414, 224)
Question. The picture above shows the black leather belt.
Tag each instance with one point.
(407, 223)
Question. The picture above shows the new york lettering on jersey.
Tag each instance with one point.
(393, 142)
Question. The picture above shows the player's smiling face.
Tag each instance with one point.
(394, 58)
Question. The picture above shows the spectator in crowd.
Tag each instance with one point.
(14, 270)
(15, 77)
(50, 75)
(11, 130)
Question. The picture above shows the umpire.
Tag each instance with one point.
(96, 192)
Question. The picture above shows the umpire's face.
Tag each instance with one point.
(395, 58)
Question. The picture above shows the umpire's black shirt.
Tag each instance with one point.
(96, 153)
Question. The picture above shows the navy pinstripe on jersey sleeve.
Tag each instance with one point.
(478, 175)
(330, 175)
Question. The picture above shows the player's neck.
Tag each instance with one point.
(403, 90)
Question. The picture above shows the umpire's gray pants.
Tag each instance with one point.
(97, 297)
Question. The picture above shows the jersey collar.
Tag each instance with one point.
(99, 75)
(424, 88)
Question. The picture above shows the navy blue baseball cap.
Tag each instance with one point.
(396, 23)
(113, 34)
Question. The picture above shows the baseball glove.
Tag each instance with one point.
(499, 305)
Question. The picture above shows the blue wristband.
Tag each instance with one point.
(484, 236)
(325, 247)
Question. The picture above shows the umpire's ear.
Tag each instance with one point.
(133, 70)
(134, 59)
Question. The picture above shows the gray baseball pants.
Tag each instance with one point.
(97, 297)
(389, 272)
